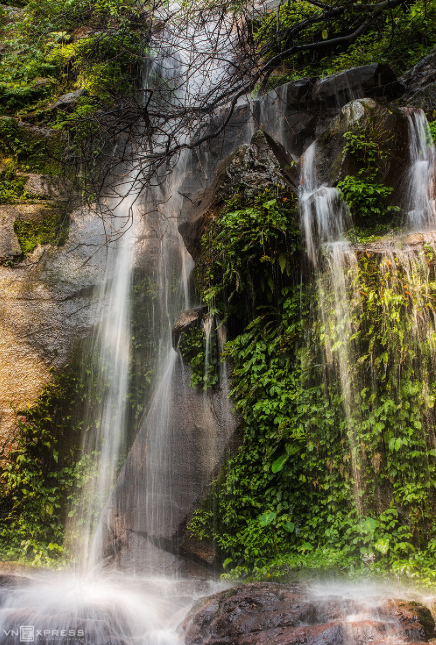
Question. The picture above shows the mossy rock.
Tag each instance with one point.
(34, 149)
(388, 127)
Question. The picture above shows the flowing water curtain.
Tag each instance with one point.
(376, 324)
(420, 197)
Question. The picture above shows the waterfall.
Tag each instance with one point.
(420, 204)
(138, 505)
(323, 214)
(342, 299)
(113, 358)
(324, 218)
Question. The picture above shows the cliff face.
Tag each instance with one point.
(49, 305)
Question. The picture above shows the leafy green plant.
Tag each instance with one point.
(193, 349)
(248, 252)
(43, 478)
(308, 478)
(366, 198)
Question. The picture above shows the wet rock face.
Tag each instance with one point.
(388, 127)
(290, 118)
(297, 113)
(48, 305)
(187, 320)
(267, 613)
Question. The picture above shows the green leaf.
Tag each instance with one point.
(369, 525)
(279, 463)
(382, 545)
(282, 262)
(289, 526)
(267, 518)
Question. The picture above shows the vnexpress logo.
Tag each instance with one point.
(27, 634)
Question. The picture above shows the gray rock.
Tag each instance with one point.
(251, 168)
(419, 76)
(373, 81)
(424, 98)
(292, 115)
(66, 100)
(176, 462)
(188, 319)
(48, 187)
(9, 245)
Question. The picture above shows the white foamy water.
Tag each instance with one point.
(106, 609)
(323, 214)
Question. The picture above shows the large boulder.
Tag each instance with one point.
(296, 113)
(387, 126)
(265, 613)
(178, 451)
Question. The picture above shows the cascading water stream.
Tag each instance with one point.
(113, 349)
(341, 306)
(421, 215)
(97, 604)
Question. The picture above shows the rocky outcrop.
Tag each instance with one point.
(9, 245)
(265, 613)
(291, 117)
(187, 320)
(177, 453)
(48, 305)
(250, 169)
(386, 126)
(49, 187)
(420, 84)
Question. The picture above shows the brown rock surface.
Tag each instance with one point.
(275, 614)
(188, 319)
(47, 306)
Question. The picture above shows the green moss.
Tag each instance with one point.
(12, 190)
(31, 149)
(52, 229)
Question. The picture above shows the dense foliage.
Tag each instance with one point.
(45, 474)
(334, 380)
(399, 36)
